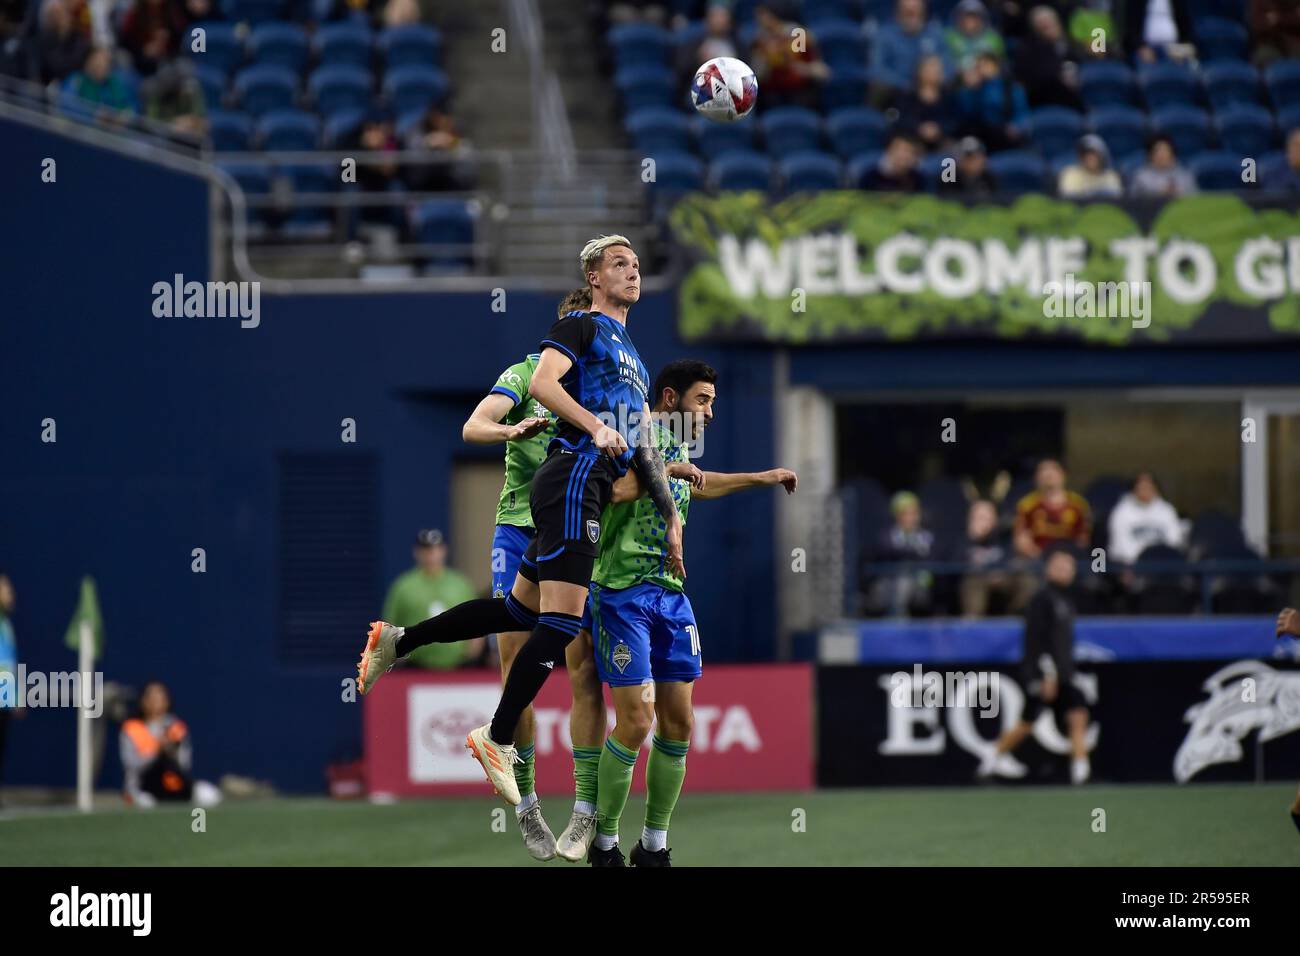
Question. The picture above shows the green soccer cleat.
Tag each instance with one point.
(379, 655)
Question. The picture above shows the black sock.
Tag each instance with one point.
(533, 664)
(471, 619)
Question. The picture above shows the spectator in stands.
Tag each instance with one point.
(789, 68)
(377, 135)
(1092, 28)
(425, 591)
(96, 83)
(1091, 177)
(173, 96)
(61, 46)
(1162, 176)
(970, 33)
(150, 32)
(8, 665)
(400, 13)
(904, 592)
(158, 756)
(1274, 30)
(926, 109)
(13, 30)
(190, 12)
(1153, 27)
(991, 569)
(1051, 513)
(899, 45)
(1046, 63)
(436, 133)
(896, 171)
(990, 105)
(1140, 519)
(972, 176)
(1284, 177)
(719, 40)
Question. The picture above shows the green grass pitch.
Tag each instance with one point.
(1225, 825)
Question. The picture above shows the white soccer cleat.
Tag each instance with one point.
(498, 762)
(379, 655)
(1080, 770)
(538, 838)
(576, 839)
(997, 764)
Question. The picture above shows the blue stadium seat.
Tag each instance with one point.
(644, 86)
(223, 49)
(288, 131)
(790, 129)
(809, 172)
(846, 87)
(841, 42)
(411, 89)
(1288, 118)
(230, 132)
(340, 127)
(716, 139)
(279, 44)
(1246, 130)
(676, 172)
(344, 43)
(816, 10)
(736, 171)
(260, 89)
(1229, 82)
(660, 128)
(252, 11)
(640, 44)
(1218, 38)
(212, 81)
(1107, 83)
(1283, 81)
(1168, 84)
(1188, 128)
(1019, 171)
(253, 178)
(1124, 130)
(415, 44)
(689, 34)
(930, 169)
(855, 130)
(1054, 129)
(337, 87)
(859, 166)
(447, 223)
(1220, 171)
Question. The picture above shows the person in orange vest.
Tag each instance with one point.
(157, 755)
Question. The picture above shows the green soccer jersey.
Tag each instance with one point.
(633, 536)
(416, 597)
(522, 457)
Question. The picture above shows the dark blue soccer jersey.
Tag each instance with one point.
(608, 377)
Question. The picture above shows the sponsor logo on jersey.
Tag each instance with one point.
(621, 656)
(593, 530)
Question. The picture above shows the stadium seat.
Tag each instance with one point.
(253, 178)
(1244, 589)
(738, 171)
(1288, 118)
(1283, 81)
(930, 168)
(411, 89)
(1019, 171)
(856, 130)
(859, 166)
(641, 44)
(1107, 83)
(943, 504)
(1246, 130)
(677, 172)
(1218, 38)
(1055, 130)
(840, 41)
(815, 11)
(847, 86)
(1124, 130)
(689, 34)
(1187, 127)
(223, 47)
(212, 81)
(790, 129)
(278, 44)
(1218, 171)
(340, 127)
(1159, 589)
(660, 128)
(414, 44)
(1168, 84)
(715, 139)
(339, 87)
(288, 131)
(1231, 82)
(260, 89)
(449, 225)
(252, 11)
(642, 87)
(809, 172)
(1214, 532)
(344, 44)
(230, 132)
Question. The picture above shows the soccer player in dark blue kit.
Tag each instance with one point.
(591, 377)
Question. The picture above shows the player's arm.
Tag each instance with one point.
(1288, 622)
(629, 487)
(649, 461)
(484, 425)
(717, 484)
(546, 388)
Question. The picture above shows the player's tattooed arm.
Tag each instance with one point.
(650, 464)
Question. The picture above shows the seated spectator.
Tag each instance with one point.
(787, 76)
(992, 571)
(926, 110)
(437, 133)
(61, 45)
(96, 83)
(896, 171)
(150, 32)
(425, 591)
(1046, 63)
(1092, 29)
(157, 755)
(1274, 30)
(400, 13)
(973, 177)
(990, 105)
(1051, 513)
(190, 12)
(905, 592)
(719, 40)
(898, 46)
(1091, 177)
(1161, 176)
(1140, 519)
(1153, 27)
(13, 29)
(1284, 177)
(173, 96)
(970, 33)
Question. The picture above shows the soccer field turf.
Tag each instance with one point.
(1236, 825)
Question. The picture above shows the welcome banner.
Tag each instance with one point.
(856, 266)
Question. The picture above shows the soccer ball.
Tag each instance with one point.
(724, 89)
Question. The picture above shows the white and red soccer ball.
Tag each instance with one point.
(724, 89)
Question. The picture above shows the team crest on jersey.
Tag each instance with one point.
(621, 656)
(593, 530)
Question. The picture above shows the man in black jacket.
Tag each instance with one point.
(1047, 670)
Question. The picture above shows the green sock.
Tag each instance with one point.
(586, 764)
(665, 770)
(616, 765)
(524, 776)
